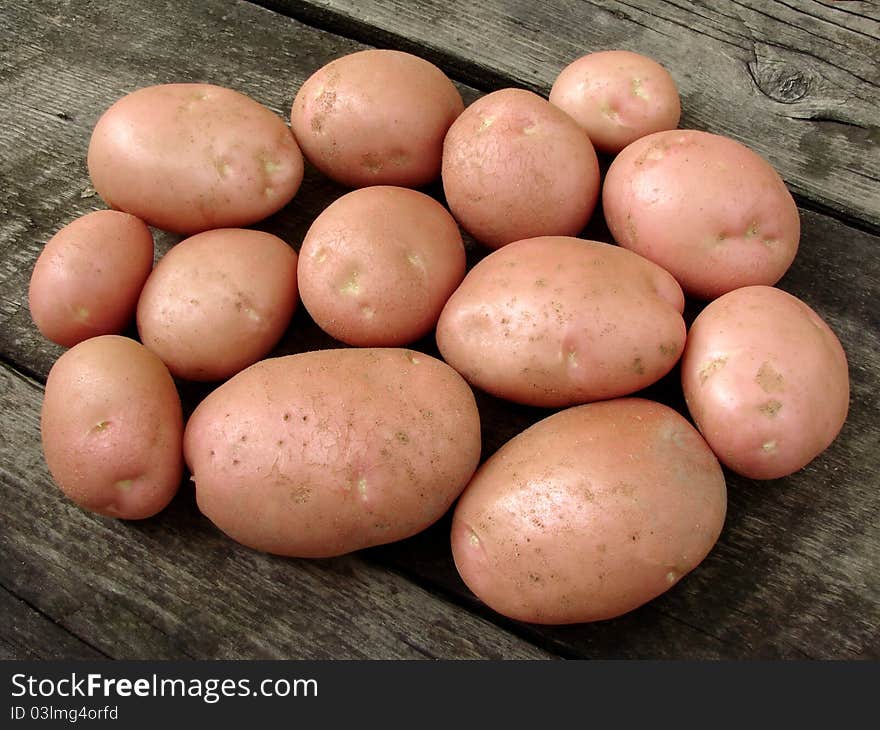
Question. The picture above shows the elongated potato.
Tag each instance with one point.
(112, 428)
(766, 381)
(556, 321)
(589, 513)
(327, 452)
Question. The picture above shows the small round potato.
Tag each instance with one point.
(112, 428)
(766, 381)
(617, 97)
(376, 117)
(589, 513)
(377, 266)
(189, 157)
(556, 321)
(218, 302)
(707, 209)
(515, 166)
(327, 452)
(88, 277)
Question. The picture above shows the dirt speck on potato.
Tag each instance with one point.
(770, 408)
(770, 380)
(711, 367)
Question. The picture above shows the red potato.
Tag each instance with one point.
(766, 381)
(112, 428)
(327, 452)
(589, 513)
(617, 97)
(555, 321)
(376, 117)
(190, 157)
(377, 266)
(515, 166)
(88, 277)
(218, 302)
(707, 209)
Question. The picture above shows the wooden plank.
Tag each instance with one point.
(174, 587)
(28, 634)
(762, 592)
(796, 81)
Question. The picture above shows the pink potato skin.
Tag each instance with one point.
(191, 157)
(112, 428)
(707, 209)
(218, 302)
(515, 166)
(327, 452)
(766, 381)
(376, 117)
(377, 266)
(589, 513)
(89, 275)
(556, 321)
(617, 97)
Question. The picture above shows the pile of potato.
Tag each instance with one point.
(587, 514)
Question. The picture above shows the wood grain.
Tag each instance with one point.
(795, 573)
(798, 81)
(175, 587)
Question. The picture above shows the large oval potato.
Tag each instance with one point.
(555, 321)
(589, 513)
(89, 275)
(218, 302)
(189, 157)
(112, 428)
(377, 266)
(706, 208)
(515, 166)
(766, 381)
(326, 452)
(376, 117)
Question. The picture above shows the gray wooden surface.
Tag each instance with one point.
(797, 570)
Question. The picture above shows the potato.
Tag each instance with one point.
(327, 452)
(707, 209)
(515, 166)
(766, 381)
(377, 266)
(112, 428)
(376, 117)
(218, 302)
(589, 513)
(88, 277)
(555, 321)
(189, 157)
(617, 97)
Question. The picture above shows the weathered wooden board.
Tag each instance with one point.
(797, 81)
(796, 571)
(28, 634)
(177, 588)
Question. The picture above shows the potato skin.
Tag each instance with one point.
(617, 97)
(218, 302)
(112, 428)
(89, 275)
(766, 381)
(706, 208)
(555, 321)
(515, 166)
(331, 451)
(377, 266)
(376, 117)
(589, 513)
(190, 157)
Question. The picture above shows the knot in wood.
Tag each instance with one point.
(780, 81)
